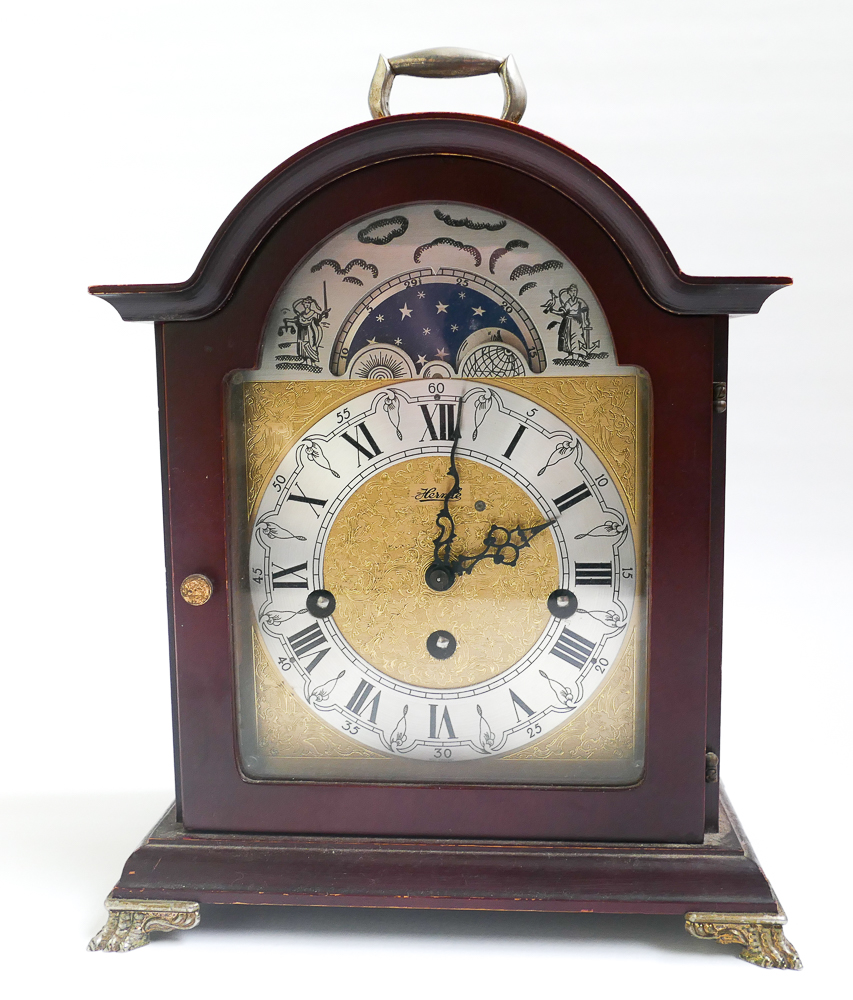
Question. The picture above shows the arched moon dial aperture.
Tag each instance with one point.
(417, 657)
(448, 315)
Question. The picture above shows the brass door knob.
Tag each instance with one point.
(196, 589)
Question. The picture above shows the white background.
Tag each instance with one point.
(131, 131)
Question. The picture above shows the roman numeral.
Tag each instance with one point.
(362, 693)
(446, 413)
(594, 574)
(572, 497)
(301, 498)
(436, 724)
(372, 449)
(573, 648)
(303, 642)
(517, 704)
(517, 437)
(299, 583)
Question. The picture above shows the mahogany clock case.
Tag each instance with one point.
(673, 326)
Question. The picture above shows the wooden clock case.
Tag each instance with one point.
(665, 845)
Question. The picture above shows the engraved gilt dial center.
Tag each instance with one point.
(374, 564)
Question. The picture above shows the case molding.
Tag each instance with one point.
(433, 134)
(718, 885)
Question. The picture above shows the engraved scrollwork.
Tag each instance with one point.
(276, 414)
(604, 410)
(602, 729)
(761, 936)
(286, 728)
(131, 921)
(384, 609)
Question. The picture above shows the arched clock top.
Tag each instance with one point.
(405, 136)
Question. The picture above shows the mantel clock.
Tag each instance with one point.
(443, 431)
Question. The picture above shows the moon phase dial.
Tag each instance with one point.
(435, 323)
(402, 652)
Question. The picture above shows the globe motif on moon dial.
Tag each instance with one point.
(492, 361)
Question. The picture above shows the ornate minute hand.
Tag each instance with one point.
(501, 545)
(444, 521)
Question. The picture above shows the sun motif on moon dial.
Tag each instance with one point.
(442, 571)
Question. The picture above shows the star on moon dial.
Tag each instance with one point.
(531, 533)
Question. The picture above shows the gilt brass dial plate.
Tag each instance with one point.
(350, 503)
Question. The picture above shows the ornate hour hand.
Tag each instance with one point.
(502, 545)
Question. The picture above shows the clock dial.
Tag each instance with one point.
(479, 559)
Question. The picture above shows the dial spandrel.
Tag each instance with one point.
(381, 501)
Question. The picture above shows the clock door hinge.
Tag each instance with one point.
(720, 397)
(712, 767)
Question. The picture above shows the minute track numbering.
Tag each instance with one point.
(392, 429)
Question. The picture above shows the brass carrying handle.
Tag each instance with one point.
(448, 62)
